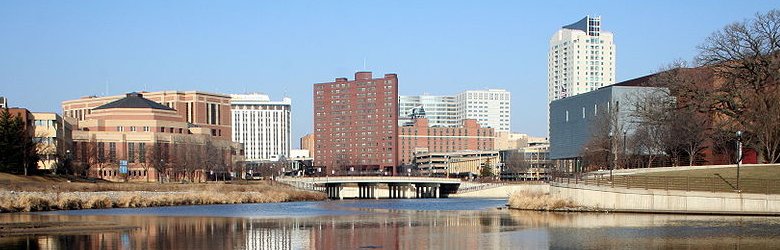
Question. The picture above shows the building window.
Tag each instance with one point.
(146, 128)
(132, 128)
(111, 151)
(142, 152)
(131, 152)
(120, 128)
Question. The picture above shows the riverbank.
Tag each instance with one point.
(539, 201)
(44, 193)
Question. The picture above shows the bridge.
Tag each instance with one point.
(400, 187)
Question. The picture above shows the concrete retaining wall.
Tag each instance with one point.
(504, 191)
(663, 201)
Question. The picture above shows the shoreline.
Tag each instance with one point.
(24, 201)
(11, 229)
(636, 211)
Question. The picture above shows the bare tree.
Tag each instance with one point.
(96, 156)
(213, 160)
(686, 126)
(516, 163)
(600, 150)
(746, 58)
(155, 158)
(186, 157)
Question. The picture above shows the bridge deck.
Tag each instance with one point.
(373, 179)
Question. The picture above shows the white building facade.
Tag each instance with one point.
(491, 108)
(262, 125)
(581, 59)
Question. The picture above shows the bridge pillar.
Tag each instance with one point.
(427, 190)
(333, 190)
(366, 190)
(398, 190)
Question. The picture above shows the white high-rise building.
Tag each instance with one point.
(262, 126)
(581, 59)
(491, 108)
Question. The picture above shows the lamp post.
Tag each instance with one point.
(609, 153)
(625, 157)
(739, 156)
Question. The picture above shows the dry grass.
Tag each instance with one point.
(37, 193)
(28, 202)
(527, 200)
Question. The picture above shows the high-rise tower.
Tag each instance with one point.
(581, 59)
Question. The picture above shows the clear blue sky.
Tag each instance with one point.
(59, 50)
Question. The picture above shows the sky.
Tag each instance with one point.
(51, 51)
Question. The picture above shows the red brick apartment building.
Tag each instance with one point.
(419, 137)
(356, 124)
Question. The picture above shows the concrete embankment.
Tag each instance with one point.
(602, 198)
(504, 191)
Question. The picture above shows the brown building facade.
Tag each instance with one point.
(421, 138)
(356, 124)
(307, 143)
(149, 136)
(205, 110)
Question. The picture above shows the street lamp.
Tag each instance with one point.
(608, 153)
(625, 157)
(739, 156)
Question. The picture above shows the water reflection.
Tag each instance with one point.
(391, 228)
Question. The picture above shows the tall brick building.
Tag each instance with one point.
(356, 124)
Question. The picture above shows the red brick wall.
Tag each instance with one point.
(356, 123)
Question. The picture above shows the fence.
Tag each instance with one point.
(682, 183)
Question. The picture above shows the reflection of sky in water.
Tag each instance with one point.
(398, 224)
(298, 209)
(258, 210)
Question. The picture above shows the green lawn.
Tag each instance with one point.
(748, 172)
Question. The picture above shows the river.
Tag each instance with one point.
(452, 223)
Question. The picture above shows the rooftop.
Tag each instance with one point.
(133, 100)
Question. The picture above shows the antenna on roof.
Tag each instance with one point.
(364, 63)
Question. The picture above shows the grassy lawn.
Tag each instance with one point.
(749, 172)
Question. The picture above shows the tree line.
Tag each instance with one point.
(182, 159)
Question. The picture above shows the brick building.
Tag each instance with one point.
(146, 133)
(205, 110)
(418, 137)
(356, 124)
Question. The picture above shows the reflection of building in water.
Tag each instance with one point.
(416, 230)
(278, 235)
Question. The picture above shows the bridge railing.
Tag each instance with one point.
(681, 183)
(369, 178)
